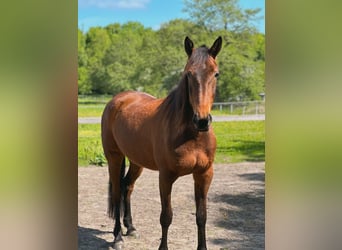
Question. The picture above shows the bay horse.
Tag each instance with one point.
(172, 135)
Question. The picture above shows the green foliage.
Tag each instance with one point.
(242, 67)
(97, 159)
(84, 85)
(130, 56)
(236, 142)
(220, 14)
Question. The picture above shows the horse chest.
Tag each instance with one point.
(193, 154)
(191, 160)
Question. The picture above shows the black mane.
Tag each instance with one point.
(177, 104)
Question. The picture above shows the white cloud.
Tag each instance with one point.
(114, 4)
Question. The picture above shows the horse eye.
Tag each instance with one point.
(217, 74)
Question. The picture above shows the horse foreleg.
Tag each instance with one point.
(132, 175)
(165, 187)
(202, 183)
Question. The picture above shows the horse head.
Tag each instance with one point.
(201, 72)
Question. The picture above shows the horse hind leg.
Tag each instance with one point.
(132, 175)
(116, 166)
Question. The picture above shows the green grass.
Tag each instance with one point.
(90, 150)
(93, 110)
(240, 141)
(92, 106)
(236, 142)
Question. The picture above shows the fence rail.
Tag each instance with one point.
(240, 108)
(224, 108)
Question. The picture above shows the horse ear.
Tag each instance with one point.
(216, 47)
(188, 45)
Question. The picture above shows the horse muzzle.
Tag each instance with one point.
(202, 124)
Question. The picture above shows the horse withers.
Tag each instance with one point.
(172, 135)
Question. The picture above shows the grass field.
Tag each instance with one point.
(236, 142)
(240, 141)
(92, 110)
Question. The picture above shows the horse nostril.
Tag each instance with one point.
(202, 124)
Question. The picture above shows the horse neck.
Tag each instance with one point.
(177, 108)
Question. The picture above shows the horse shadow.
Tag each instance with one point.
(254, 177)
(88, 239)
(243, 213)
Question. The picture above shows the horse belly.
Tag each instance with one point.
(135, 144)
(131, 126)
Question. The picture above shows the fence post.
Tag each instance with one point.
(256, 108)
(231, 108)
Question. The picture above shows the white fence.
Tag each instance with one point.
(240, 108)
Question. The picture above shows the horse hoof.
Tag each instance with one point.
(118, 245)
(133, 233)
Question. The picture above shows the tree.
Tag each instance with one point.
(241, 60)
(125, 57)
(97, 43)
(173, 57)
(84, 85)
(220, 14)
(129, 56)
(241, 63)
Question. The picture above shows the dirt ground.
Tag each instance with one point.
(236, 210)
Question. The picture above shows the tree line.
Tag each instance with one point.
(130, 56)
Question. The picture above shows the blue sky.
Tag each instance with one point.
(151, 13)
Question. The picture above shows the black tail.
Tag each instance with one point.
(111, 206)
(110, 210)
